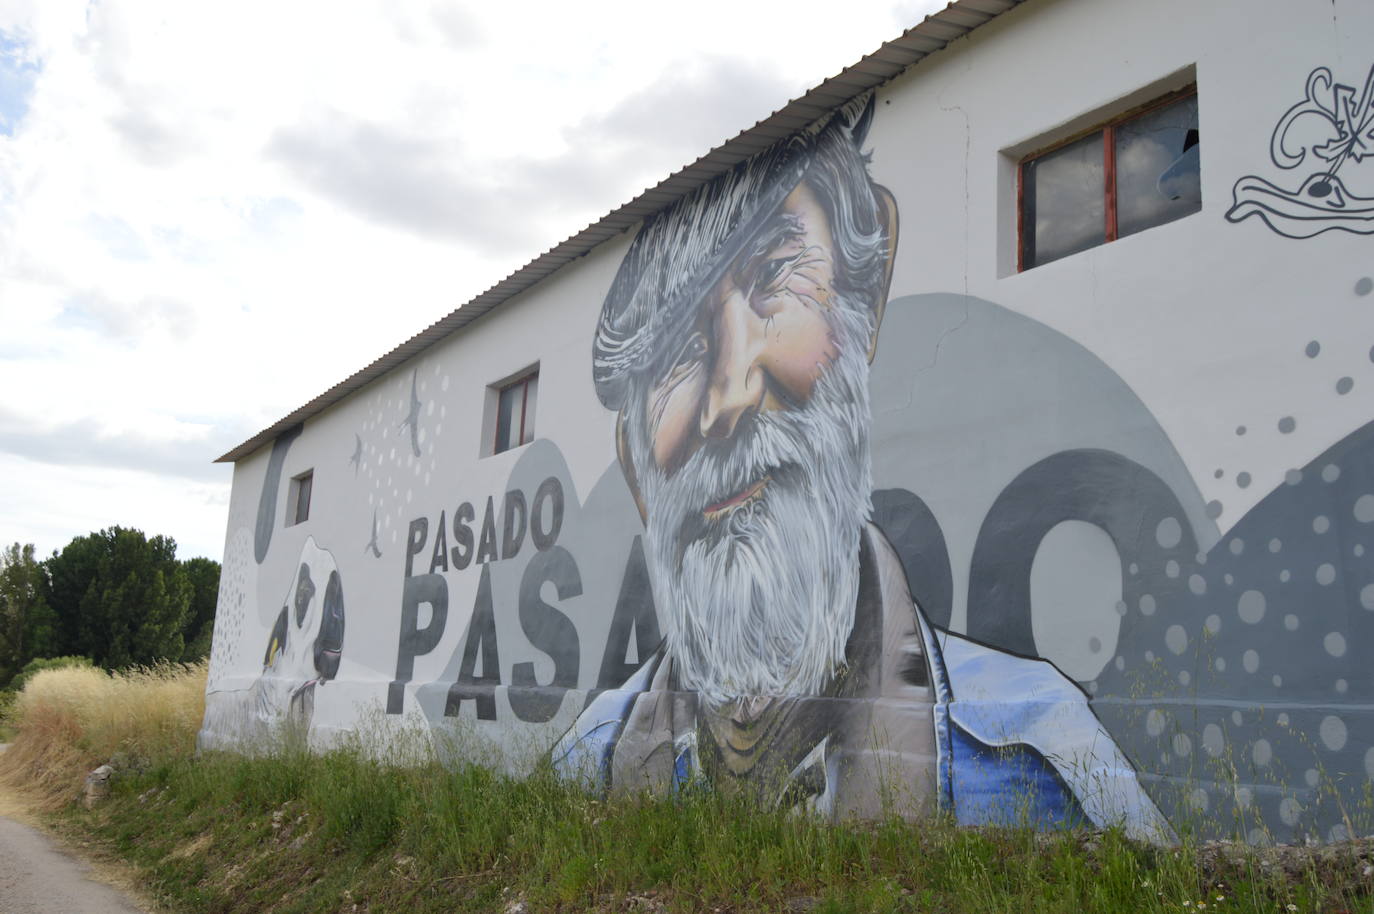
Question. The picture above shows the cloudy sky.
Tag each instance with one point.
(187, 188)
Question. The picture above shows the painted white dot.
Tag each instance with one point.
(1364, 509)
(1330, 473)
(1149, 656)
(1237, 546)
(1321, 523)
(1182, 745)
(1277, 680)
(1333, 733)
(1369, 763)
(1185, 677)
(1250, 660)
(1342, 686)
(1367, 596)
(1275, 544)
(1334, 643)
(1228, 578)
(1154, 722)
(1289, 810)
(1244, 797)
(1121, 663)
(1176, 639)
(1290, 622)
(1213, 624)
(1169, 532)
(1284, 575)
(1251, 606)
(1147, 604)
(1282, 718)
(1197, 584)
(1312, 777)
(1213, 740)
(1236, 718)
(1198, 800)
(1358, 550)
(1261, 752)
(1171, 568)
(1257, 837)
(1220, 664)
(1326, 573)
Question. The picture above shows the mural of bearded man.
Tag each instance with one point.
(734, 345)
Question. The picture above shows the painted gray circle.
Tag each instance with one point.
(1251, 606)
(1287, 424)
(1169, 533)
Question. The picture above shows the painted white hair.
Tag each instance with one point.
(762, 603)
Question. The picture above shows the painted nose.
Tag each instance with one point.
(737, 384)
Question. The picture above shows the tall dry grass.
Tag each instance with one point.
(68, 721)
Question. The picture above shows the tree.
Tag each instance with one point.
(123, 598)
(203, 575)
(27, 626)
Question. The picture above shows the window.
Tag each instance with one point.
(515, 412)
(1132, 173)
(298, 498)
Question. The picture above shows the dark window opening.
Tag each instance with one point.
(515, 413)
(298, 505)
(1133, 173)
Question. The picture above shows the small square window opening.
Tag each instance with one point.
(298, 499)
(1135, 172)
(515, 413)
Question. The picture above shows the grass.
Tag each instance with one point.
(343, 832)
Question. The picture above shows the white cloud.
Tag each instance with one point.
(189, 184)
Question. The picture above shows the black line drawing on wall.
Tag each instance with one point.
(1330, 130)
(372, 543)
(412, 419)
(357, 458)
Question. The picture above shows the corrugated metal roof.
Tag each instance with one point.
(932, 34)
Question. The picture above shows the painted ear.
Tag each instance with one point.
(627, 466)
(887, 215)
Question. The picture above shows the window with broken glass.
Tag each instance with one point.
(1135, 172)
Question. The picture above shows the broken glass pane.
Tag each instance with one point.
(1158, 175)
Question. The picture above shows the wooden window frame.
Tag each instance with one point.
(1108, 131)
(525, 381)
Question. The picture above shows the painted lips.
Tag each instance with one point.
(745, 497)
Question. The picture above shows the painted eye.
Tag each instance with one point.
(771, 270)
(693, 350)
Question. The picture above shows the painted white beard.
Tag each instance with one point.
(761, 602)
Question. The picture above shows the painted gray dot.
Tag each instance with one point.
(1275, 544)
(1120, 608)
(1243, 479)
(1330, 473)
(1184, 677)
(1282, 719)
(1201, 558)
(1369, 763)
(1277, 680)
(1182, 745)
(1345, 385)
(1321, 523)
(1244, 797)
(1121, 663)
(1289, 811)
(1292, 477)
(1237, 545)
(1287, 424)
(1171, 568)
(1240, 429)
(1258, 837)
(1155, 722)
(1261, 752)
(1228, 579)
(1134, 569)
(1217, 474)
(1251, 606)
(1198, 800)
(1169, 532)
(1220, 664)
(1149, 656)
(1213, 741)
(1333, 733)
(1342, 686)
(1334, 642)
(1358, 550)
(1214, 509)
(1326, 573)
(1284, 575)
(1367, 596)
(1364, 285)
(1213, 624)
(1176, 639)
(1364, 508)
(1147, 604)
(1095, 644)
(1197, 584)
(1250, 660)
(1313, 348)
(1236, 718)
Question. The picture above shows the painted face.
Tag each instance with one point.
(761, 342)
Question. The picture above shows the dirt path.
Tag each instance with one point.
(38, 877)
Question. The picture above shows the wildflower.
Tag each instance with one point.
(1292, 907)
(1221, 898)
